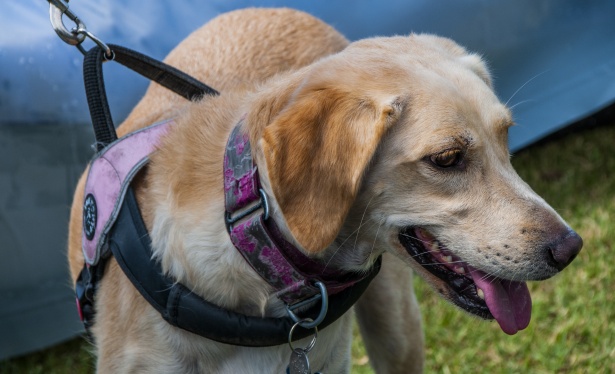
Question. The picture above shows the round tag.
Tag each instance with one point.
(90, 214)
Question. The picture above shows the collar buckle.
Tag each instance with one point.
(263, 202)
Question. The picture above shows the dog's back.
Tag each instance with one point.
(238, 50)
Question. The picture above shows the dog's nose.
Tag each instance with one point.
(565, 249)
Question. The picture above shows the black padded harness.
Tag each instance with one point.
(130, 244)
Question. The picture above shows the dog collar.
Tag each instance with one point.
(121, 232)
(292, 274)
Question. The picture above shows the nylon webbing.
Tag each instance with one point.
(159, 72)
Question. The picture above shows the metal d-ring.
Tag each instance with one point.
(312, 342)
(308, 323)
(109, 55)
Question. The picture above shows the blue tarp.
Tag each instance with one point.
(553, 62)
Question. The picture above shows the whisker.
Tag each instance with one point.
(524, 84)
(375, 238)
(519, 103)
(490, 278)
(361, 222)
(355, 232)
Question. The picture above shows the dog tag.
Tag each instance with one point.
(299, 363)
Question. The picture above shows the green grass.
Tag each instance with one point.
(71, 357)
(573, 319)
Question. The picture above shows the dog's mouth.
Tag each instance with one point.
(484, 295)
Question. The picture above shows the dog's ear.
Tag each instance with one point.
(317, 150)
(475, 63)
(472, 61)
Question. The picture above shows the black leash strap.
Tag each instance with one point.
(159, 72)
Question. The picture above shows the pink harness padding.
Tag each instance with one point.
(110, 174)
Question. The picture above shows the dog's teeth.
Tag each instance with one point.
(480, 293)
(460, 270)
(435, 246)
(447, 258)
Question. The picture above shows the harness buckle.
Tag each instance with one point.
(85, 288)
(84, 292)
(229, 219)
(308, 323)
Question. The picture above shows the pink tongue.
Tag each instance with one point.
(508, 301)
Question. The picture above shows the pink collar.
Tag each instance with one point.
(256, 236)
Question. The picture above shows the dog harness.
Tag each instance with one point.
(113, 226)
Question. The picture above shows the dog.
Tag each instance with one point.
(392, 147)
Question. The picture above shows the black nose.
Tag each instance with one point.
(565, 249)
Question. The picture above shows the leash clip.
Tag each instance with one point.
(58, 8)
(78, 34)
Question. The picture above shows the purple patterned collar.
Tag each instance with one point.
(257, 237)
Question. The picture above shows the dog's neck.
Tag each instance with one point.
(291, 272)
(187, 224)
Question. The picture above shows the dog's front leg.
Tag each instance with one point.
(390, 320)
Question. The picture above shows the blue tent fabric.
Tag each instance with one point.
(561, 52)
(553, 62)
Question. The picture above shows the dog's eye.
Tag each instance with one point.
(447, 159)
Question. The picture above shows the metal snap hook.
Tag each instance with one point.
(75, 36)
(57, 9)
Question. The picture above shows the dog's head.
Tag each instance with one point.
(400, 145)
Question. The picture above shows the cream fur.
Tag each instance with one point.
(341, 136)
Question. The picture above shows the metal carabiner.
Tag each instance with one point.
(75, 36)
(57, 9)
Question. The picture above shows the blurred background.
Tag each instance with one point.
(553, 62)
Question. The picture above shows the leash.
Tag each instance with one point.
(152, 69)
(159, 72)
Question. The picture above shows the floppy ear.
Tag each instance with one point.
(316, 152)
